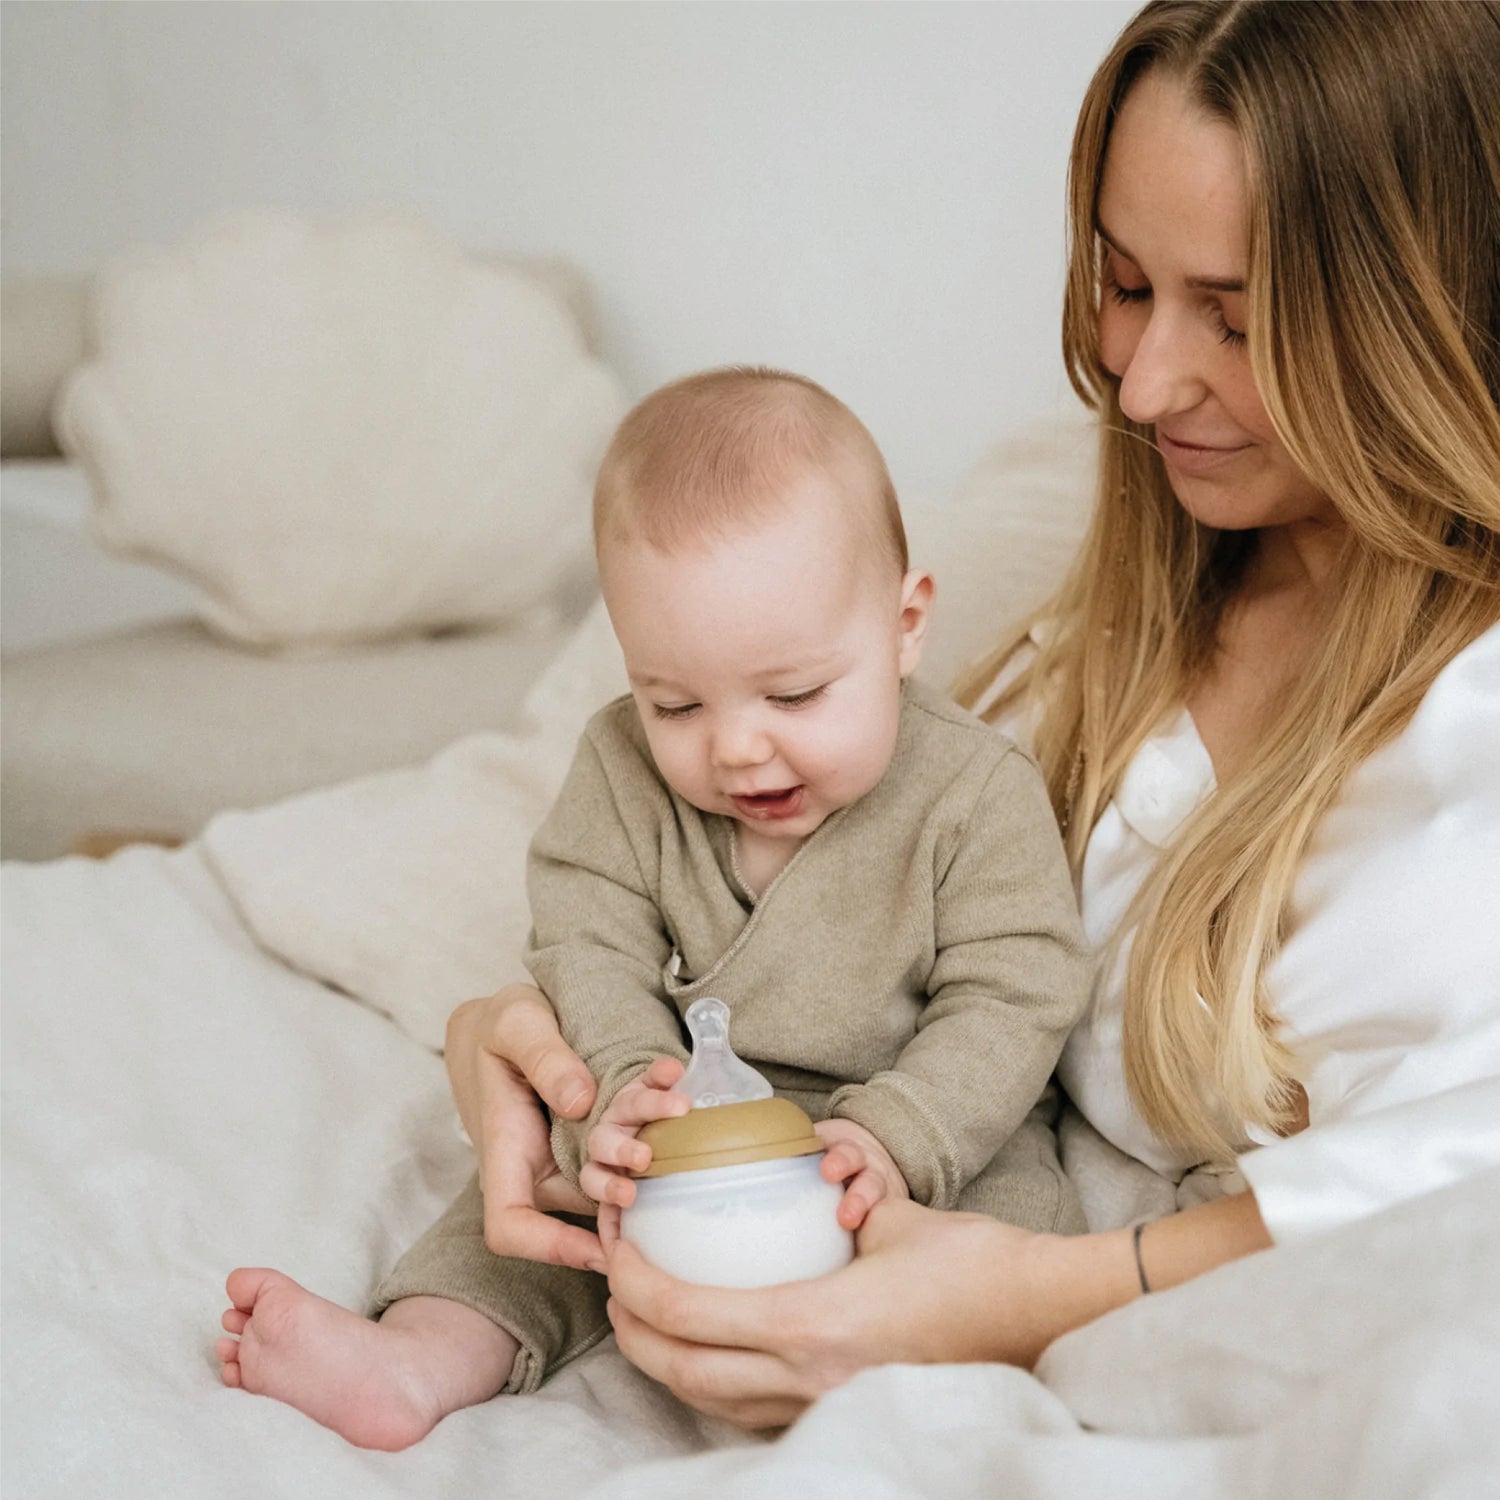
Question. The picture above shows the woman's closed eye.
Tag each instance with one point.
(1132, 296)
(1227, 335)
(1127, 296)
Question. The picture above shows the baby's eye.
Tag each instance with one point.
(675, 710)
(799, 700)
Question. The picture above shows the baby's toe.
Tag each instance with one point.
(235, 1321)
(248, 1284)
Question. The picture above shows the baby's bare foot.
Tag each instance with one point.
(380, 1385)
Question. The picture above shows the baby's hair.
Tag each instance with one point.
(716, 452)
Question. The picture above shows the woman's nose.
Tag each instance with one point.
(1162, 376)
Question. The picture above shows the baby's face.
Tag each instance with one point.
(767, 665)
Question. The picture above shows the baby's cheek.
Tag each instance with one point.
(851, 783)
(863, 761)
(679, 770)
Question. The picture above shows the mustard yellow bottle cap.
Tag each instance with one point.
(728, 1135)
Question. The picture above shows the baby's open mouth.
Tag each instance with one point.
(785, 803)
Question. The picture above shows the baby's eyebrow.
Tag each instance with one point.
(812, 666)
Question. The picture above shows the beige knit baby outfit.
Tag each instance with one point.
(915, 968)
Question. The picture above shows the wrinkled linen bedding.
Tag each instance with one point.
(179, 1100)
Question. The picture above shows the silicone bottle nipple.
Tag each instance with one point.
(715, 1075)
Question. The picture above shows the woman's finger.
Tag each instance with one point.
(516, 1171)
(707, 1315)
(609, 1227)
(524, 1032)
(747, 1388)
(528, 1234)
(901, 1222)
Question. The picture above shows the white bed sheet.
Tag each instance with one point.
(177, 1102)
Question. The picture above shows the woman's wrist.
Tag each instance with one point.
(1184, 1245)
(1023, 1289)
(1073, 1279)
(1070, 1280)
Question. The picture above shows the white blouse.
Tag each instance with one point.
(1388, 983)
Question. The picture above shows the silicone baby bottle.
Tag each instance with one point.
(733, 1195)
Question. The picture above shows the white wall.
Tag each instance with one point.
(870, 193)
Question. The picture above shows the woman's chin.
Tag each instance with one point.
(1242, 503)
(1218, 506)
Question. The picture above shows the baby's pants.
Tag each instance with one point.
(555, 1313)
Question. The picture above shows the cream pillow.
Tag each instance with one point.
(339, 431)
(1000, 547)
(407, 890)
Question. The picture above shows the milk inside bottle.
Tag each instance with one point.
(733, 1195)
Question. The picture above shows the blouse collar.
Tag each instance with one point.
(1166, 782)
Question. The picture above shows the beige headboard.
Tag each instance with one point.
(45, 334)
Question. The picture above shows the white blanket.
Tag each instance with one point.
(177, 1102)
(222, 1057)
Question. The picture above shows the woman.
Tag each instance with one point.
(1266, 680)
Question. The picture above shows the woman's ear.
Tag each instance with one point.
(917, 590)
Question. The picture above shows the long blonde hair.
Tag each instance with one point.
(1372, 141)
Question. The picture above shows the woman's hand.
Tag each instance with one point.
(927, 1288)
(501, 1052)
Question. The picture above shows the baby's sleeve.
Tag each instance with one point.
(1010, 978)
(598, 943)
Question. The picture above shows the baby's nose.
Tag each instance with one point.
(739, 743)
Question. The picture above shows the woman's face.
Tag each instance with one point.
(1172, 215)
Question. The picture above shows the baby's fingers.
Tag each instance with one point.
(843, 1160)
(636, 1106)
(860, 1197)
(604, 1185)
(663, 1073)
(613, 1146)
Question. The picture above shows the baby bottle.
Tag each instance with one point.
(733, 1195)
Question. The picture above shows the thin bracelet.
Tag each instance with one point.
(1140, 1265)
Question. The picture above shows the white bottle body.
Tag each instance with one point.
(757, 1224)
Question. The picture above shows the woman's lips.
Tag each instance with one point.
(770, 807)
(1197, 458)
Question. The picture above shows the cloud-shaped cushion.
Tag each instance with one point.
(339, 431)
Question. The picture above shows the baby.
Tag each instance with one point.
(776, 815)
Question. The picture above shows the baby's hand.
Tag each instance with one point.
(855, 1158)
(614, 1151)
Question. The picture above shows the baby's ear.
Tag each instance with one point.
(917, 592)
